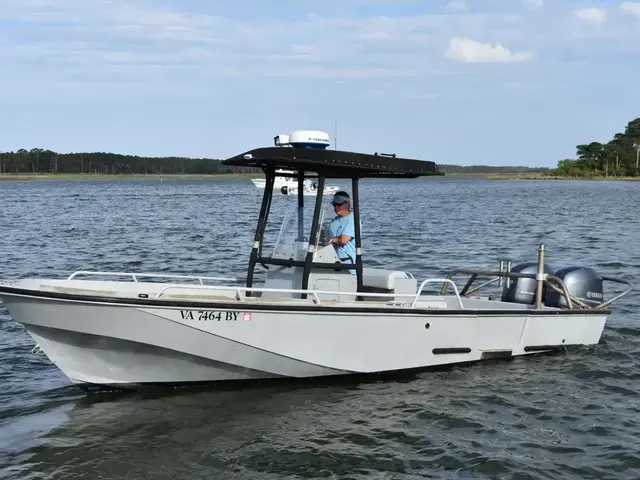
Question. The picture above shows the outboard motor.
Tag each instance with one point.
(284, 190)
(581, 282)
(523, 290)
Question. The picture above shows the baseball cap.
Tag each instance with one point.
(340, 197)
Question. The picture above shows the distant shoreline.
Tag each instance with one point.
(219, 176)
(535, 176)
(107, 176)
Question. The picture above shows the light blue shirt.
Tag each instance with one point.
(344, 226)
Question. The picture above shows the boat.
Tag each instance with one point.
(287, 184)
(287, 181)
(310, 315)
(283, 177)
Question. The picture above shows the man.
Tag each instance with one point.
(341, 230)
(307, 184)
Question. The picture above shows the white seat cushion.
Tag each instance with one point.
(378, 278)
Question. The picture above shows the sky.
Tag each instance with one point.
(493, 82)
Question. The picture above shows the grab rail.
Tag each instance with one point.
(615, 280)
(570, 300)
(135, 276)
(560, 288)
(438, 280)
(237, 290)
(315, 293)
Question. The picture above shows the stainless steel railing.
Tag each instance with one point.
(135, 276)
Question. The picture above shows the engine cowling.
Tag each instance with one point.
(523, 290)
(581, 282)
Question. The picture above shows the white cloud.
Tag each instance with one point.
(631, 7)
(471, 51)
(534, 3)
(458, 5)
(591, 15)
(122, 40)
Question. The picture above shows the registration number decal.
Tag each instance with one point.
(209, 315)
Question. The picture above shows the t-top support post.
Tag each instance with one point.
(300, 206)
(312, 236)
(356, 220)
(262, 221)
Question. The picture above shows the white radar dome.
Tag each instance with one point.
(309, 139)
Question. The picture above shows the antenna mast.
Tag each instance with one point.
(335, 136)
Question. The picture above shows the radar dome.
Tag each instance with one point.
(309, 139)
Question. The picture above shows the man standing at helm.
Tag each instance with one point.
(341, 230)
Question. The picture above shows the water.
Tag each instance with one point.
(569, 415)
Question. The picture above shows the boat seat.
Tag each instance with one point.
(382, 279)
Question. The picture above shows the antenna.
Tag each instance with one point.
(335, 136)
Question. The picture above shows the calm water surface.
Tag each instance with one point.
(569, 415)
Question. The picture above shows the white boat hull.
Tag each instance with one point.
(261, 182)
(312, 193)
(292, 186)
(131, 343)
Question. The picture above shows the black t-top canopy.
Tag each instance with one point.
(334, 163)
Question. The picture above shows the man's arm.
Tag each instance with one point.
(347, 234)
(340, 240)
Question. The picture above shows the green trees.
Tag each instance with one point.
(38, 160)
(619, 157)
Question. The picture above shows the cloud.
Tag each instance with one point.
(631, 7)
(458, 5)
(591, 15)
(534, 3)
(171, 71)
(471, 51)
(119, 40)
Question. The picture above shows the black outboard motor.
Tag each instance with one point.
(523, 290)
(284, 190)
(581, 282)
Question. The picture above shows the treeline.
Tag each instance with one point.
(481, 169)
(617, 158)
(38, 160)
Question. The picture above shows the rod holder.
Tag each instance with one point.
(505, 267)
(540, 276)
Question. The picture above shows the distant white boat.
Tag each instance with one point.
(289, 185)
(308, 191)
(280, 181)
(286, 180)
